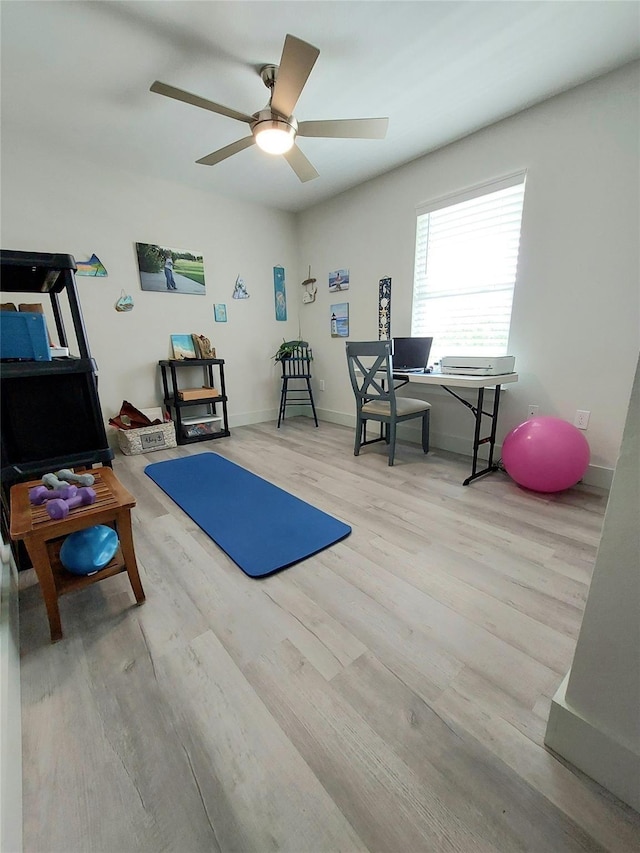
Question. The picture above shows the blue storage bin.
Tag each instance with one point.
(23, 335)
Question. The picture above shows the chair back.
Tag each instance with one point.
(298, 364)
(371, 372)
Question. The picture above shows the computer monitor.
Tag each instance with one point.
(411, 353)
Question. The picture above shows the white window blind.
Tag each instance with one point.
(465, 269)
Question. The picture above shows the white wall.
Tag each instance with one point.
(595, 715)
(575, 328)
(51, 203)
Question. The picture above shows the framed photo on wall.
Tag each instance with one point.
(168, 270)
(220, 312)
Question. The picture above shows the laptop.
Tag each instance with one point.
(411, 355)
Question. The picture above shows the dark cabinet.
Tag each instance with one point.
(198, 416)
(50, 416)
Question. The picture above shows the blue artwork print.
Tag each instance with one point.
(338, 280)
(339, 320)
(280, 293)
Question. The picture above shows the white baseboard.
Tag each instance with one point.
(336, 417)
(592, 750)
(248, 418)
(598, 476)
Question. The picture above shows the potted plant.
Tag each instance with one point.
(287, 348)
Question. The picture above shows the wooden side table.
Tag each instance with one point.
(43, 539)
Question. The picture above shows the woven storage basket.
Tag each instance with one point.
(145, 440)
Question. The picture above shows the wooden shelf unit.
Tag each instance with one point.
(43, 538)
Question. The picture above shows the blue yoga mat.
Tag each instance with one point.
(260, 526)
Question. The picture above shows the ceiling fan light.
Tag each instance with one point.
(275, 137)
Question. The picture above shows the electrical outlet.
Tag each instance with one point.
(322, 384)
(532, 410)
(581, 419)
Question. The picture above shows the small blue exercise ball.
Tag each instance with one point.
(89, 550)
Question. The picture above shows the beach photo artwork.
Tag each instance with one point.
(183, 346)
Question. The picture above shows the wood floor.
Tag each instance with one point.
(387, 694)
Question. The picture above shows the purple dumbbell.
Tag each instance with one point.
(40, 494)
(59, 509)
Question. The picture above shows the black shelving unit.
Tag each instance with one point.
(50, 416)
(213, 373)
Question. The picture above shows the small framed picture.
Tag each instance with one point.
(183, 347)
(220, 312)
(339, 320)
(338, 280)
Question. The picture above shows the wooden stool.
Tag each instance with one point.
(43, 539)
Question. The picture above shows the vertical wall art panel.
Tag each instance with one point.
(384, 309)
(280, 293)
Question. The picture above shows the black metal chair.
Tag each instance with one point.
(371, 373)
(296, 371)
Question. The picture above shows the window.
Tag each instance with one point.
(465, 269)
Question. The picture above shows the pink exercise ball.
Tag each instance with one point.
(545, 454)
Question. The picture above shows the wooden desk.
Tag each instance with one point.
(43, 539)
(449, 381)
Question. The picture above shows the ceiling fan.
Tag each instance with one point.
(274, 128)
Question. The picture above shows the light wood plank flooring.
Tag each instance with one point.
(387, 694)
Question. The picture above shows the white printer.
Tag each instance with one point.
(478, 365)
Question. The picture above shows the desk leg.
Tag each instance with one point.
(476, 434)
(491, 439)
(129, 554)
(494, 424)
(39, 557)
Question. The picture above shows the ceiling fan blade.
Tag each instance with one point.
(298, 58)
(300, 165)
(197, 101)
(227, 151)
(348, 128)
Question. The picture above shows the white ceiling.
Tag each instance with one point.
(77, 74)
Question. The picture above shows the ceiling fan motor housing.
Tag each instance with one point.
(266, 120)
